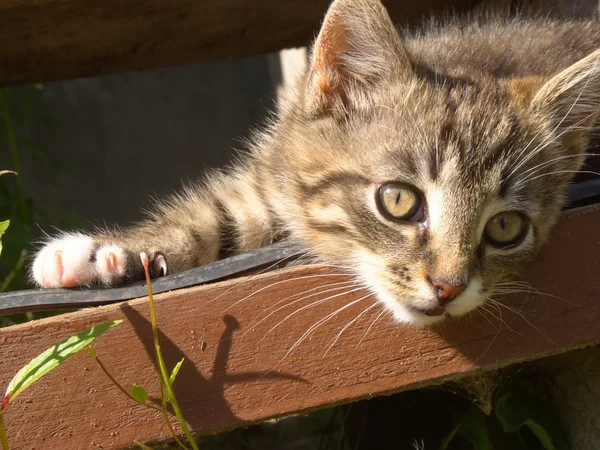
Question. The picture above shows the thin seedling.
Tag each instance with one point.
(139, 393)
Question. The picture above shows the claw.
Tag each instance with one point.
(160, 265)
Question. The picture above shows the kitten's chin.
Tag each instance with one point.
(404, 313)
(419, 318)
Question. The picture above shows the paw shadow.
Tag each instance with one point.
(201, 398)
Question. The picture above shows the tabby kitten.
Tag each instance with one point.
(431, 168)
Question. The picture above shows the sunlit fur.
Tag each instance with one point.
(480, 118)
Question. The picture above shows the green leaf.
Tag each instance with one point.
(3, 226)
(518, 410)
(52, 357)
(446, 441)
(175, 371)
(472, 426)
(139, 394)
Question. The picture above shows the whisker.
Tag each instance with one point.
(382, 313)
(478, 311)
(547, 141)
(511, 283)
(266, 269)
(497, 303)
(532, 290)
(526, 287)
(366, 310)
(340, 286)
(558, 158)
(485, 308)
(521, 153)
(501, 322)
(321, 322)
(556, 172)
(277, 283)
(318, 302)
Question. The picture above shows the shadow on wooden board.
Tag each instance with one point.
(218, 377)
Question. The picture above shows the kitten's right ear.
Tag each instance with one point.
(570, 102)
(357, 46)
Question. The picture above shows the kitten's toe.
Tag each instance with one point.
(111, 264)
(65, 262)
(47, 267)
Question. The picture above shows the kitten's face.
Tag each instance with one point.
(432, 192)
(423, 190)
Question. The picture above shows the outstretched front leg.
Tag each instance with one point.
(201, 225)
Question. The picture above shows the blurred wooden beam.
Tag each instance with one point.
(46, 40)
(242, 362)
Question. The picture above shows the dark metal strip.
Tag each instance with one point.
(584, 191)
(56, 299)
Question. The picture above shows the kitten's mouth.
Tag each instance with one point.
(437, 311)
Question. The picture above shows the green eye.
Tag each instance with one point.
(400, 202)
(505, 229)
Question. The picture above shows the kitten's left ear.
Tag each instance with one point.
(357, 46)
(570, 102)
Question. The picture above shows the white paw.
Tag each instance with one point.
(68, 262)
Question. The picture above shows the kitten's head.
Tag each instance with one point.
(431, 189)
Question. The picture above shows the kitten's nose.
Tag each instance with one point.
(446, 292)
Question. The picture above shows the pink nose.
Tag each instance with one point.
(446, 292)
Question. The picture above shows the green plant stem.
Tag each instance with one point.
(161, 363)
(3, 437)
(142, 446)
(14, 154)
(121, 388)
(163, 410)
(173, 400)
(446, 441)
(15, 270)
(162, 379)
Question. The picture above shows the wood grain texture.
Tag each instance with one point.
(45, 40)
(239, 368)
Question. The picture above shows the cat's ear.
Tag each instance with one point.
(357, 46)
(569, 103)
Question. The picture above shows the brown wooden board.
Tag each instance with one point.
(238, 369)
(45, 40)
